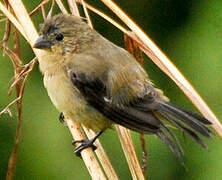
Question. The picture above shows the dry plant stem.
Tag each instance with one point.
(28, 30)
(13, 157)
(19, 93)
(145, 155)
(100, 13)
(61, 6)
(38, 7)
(167, 66)
(7, 32)
(134, 49)
(73, 7)
(51, 10)
(87, 14)
(130, 154)
(6, 109)
(43, 12)
(12, 19)
(102, 156)
(87, 154)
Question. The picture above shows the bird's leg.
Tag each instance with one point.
(61, 119)
(85, 144)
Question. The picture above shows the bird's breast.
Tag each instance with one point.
(62, 92)
(67, 99)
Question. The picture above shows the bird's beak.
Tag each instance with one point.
(42, 43)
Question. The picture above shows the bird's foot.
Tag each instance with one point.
(84, 144)
(61, 119)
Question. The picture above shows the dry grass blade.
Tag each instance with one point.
(51, 9)
(100, 13)
(12, 19)
(34, 11)
(26, 69)
(102, 156)
(7, 33)
(87, 14)
(130, 154)
(134, 48)
(12, 161)
(73, 7)
(163, 62)
(145, 154)
(87, 154)
(61, 6)
(7, 108)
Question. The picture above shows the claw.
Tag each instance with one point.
(61, 119)
(85, 143)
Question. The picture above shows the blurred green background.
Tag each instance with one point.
(189, 32)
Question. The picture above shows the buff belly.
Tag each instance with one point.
(68, 100)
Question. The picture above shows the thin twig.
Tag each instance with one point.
(38, 7)
(134, 49)
(103, 15)
(102, 156)
(51, 10)
(43, 12)
(87, 14)
(130, 154)
(145, 155)
(87, 154)
(6, 109)
(13, 157)
(73, 7)
(61, 6)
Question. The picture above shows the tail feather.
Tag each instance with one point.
(171, 145)
(186, 130)
(174, 137)
(195, 115)
(185, 118)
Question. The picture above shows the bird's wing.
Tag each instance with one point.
(134, 103)
(116, 88)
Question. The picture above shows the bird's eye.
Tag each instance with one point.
(59, 37)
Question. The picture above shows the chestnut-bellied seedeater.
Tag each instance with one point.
(96, 83)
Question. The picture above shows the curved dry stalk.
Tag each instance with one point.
(87, 154)
(103, 15)
(43, 3)
(7, 108)
(164, 63)
(130, 154)
(61, 6)
(73, 7)
(86, 14)
(145, 154)
(134, 49)
(102, 156)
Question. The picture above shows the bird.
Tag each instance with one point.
(94, 82)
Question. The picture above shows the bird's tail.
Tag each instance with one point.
(188, 122)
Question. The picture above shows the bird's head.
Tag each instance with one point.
(63, 34)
